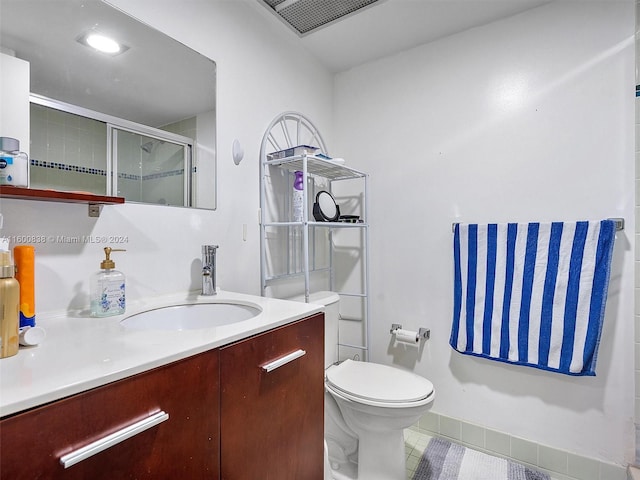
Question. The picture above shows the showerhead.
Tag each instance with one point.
(147, 147)
(151, 145)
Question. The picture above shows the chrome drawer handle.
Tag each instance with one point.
(278, 362)
(110, 440)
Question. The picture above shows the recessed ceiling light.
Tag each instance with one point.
(102, 43)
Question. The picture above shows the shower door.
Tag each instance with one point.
(150, 169)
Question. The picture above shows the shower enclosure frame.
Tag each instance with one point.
(111, 122)
(112, 155)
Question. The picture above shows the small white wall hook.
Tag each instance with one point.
(237, 152)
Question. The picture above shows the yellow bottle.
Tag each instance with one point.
(9, 307)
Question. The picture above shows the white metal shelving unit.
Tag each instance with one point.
(303, 252)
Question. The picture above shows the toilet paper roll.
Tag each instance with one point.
(406, 336)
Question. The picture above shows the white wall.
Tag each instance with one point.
(525, 119)
(529, 118)
(260, 74)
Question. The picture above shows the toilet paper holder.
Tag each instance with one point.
(422, 333)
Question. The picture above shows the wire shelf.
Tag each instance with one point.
(317, 166)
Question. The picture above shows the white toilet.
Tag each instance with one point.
(367, 407)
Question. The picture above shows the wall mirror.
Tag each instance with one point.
(138, 124)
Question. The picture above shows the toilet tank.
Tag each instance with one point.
(331, 303)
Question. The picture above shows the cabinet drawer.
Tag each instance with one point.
(272, 404)
(186, 445)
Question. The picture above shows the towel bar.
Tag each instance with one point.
(618, 221)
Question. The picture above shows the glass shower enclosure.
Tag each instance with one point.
(150, 169)
(75, 149)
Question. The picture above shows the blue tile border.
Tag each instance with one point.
(98, 171)
(170, 173)
(70, 168)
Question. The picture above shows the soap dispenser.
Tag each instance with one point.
(107, 288)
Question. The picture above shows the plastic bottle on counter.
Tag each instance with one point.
(24, 257)
(9, 303)
(14, 164)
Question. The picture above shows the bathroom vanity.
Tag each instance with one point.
(183, 446)
(272, 423)
(234, 407)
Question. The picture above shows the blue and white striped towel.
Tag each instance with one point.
(532, 294)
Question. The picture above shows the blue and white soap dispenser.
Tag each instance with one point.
(107, 288)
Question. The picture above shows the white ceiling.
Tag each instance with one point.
(391, 26)
(127, 86)
(384, 28)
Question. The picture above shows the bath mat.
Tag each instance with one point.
(443, 460)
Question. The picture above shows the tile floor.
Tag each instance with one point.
(415, 443)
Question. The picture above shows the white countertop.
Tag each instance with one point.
(80, 353)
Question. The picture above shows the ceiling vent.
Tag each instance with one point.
(305, 16)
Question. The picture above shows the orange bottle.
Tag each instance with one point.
(24, 258)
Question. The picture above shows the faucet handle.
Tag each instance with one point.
(209, 253)
(209, 269)
(209, 249)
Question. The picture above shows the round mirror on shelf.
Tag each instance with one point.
(325, 208)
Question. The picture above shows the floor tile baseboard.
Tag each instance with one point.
(559, 464)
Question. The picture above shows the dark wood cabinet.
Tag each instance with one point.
(272, 422)
(228, 418)
(186, 445)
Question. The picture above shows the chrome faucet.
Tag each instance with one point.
(209, 269)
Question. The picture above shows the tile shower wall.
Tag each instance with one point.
(150, 170)
(163, 185)
(68, 152)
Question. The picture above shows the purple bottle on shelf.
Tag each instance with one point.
(298, 187)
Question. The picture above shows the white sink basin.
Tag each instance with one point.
(191, 316)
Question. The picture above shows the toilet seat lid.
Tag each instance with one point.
(379, 383)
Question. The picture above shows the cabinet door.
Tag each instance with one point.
(184, 446)
(272, 423)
